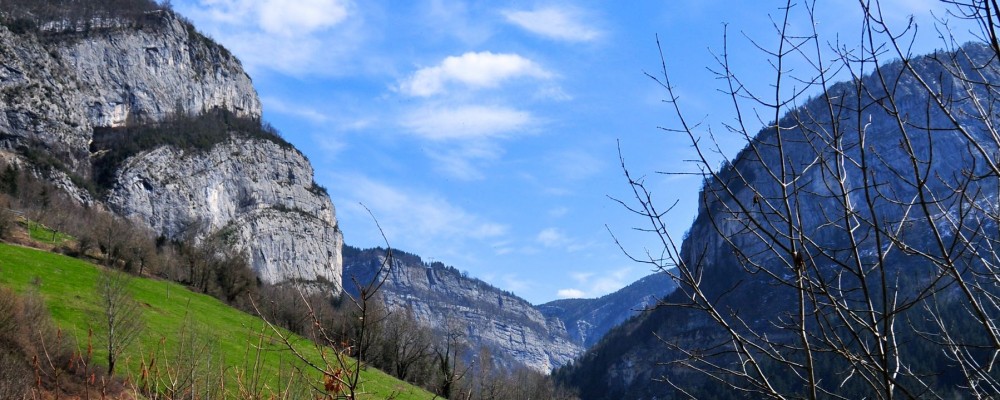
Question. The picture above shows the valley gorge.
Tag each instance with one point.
(878, 191)
(844, 243)
(149, 119)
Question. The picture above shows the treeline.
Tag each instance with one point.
(58, 16)
(441, 360)
(438, 359)
(413, 259)
(182, 130)
(208, 266)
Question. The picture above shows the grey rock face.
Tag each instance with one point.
(441, 297)
(258, 193)
(632, 358)
(40, 101)
(150, 73)
(587, 320)
(53, 93)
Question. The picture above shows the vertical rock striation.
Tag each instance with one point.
(57, 88)
(441, 297)
(257, 193)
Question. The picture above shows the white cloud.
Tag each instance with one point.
(555, 238)
(280, 17)
(554, 23)
(295, 17)
(570, 293)
(466, 122)
(597, 284)
(293, 37)
(466, 160)
(463, 139)
(552, 237)
(503, 247)
(473, 70)
(581, 277)
(274, 104)
(414, 219)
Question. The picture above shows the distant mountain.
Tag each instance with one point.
(443, 298)
(587, 320)
(874, 199)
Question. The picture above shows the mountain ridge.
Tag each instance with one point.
(588, 320)
(742, 264)
(514, 330)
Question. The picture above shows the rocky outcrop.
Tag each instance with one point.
(58, 88)
(587, 320)
(257, 193)
(443, 298)
(152, 72)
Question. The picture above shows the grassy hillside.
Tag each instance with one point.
(181, 326)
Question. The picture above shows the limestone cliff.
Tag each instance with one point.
(259, 193)
(512, 329)
(58, 88)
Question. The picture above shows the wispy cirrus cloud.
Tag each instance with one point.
(552, 237)
(281, 106)
(422, 221)
(462, 133)
(559, 23)
(591, 284)
(278, 17)
(291, 37)
(464, 122)
(474, 70)
(556, 238)
(464, 161)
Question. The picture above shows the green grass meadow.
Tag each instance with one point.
(67, 286)
(44, 234)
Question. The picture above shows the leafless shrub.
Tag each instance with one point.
(120, 321)
(863, 223)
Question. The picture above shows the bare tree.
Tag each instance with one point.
(861, 224)
(447, 354)
(120, 315)
(341, 373)
(406, 344)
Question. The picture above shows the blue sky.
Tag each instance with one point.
(484, 134)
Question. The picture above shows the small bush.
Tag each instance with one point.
(7, 222)
(26, 334)
(22, 26)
